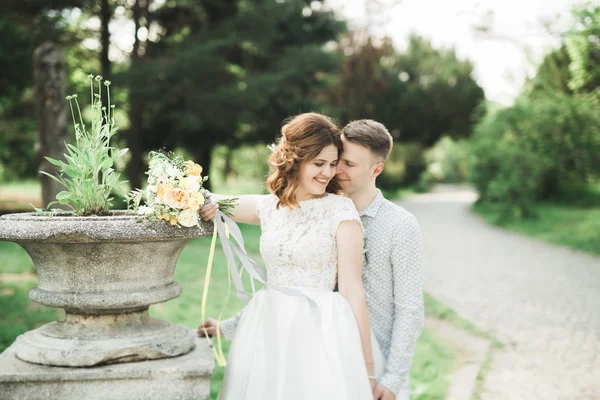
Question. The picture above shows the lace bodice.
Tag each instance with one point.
(298, 246)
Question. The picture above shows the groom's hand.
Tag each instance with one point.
(383, 393)
(209, 327)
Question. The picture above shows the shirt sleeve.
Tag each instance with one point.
(229, 326)
(407, 256)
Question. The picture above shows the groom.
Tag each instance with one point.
(392, 275)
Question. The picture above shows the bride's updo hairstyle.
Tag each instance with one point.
(303, 137)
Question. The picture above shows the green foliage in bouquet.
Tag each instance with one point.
(88, 174)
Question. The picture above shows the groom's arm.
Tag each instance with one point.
(229, 326)
(407, 254)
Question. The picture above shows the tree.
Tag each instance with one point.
(552, 74)
(583, 45)
(24, 25)
(420, 94)
(228, 72)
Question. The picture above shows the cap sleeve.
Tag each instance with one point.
(344, 211)
(264, 206)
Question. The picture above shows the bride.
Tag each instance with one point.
(298, 338)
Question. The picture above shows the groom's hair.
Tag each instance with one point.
(370, 134)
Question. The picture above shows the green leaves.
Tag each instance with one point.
(88, 174)
(583, 44)
(538, 149)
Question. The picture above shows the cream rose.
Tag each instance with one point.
(162, 190)
(188, 218)
(192, 168)
(196, 201)
(177, 198)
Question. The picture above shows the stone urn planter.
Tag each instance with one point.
(104, 272)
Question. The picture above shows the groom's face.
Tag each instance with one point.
(356, 167)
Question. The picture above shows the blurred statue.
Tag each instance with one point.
(49, 72)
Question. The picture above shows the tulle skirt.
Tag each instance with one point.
(283, 349)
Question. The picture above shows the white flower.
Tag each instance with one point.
(190, 183)
(144, 210)
(173, 171)
(188, 218)
(156, 169)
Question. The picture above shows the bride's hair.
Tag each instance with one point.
(303, 137)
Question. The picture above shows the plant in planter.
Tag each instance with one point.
(102, 267)
(88, 175)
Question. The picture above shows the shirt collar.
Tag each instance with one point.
(371, 210)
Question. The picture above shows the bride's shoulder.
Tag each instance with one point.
(265, 203)
(341, 203)
(340, 208)
(338, 199)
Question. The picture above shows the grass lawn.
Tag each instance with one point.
(437, 310)
(19, 314)
(16, 195)
(572, 226)
(28, 187)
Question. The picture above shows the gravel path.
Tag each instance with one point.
(541, 301)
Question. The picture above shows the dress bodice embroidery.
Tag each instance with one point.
(298, 245)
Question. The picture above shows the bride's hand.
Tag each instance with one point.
(208, 210)
(209, 327)
(373, 384)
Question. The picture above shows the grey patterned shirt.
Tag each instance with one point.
(393, 282)
(392, 278)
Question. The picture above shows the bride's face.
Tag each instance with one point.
(316, 174)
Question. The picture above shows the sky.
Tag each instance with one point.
(503, 59)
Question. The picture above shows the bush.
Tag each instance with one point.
(17, 149)
(447, 161)
(536, 150)
(403, 167)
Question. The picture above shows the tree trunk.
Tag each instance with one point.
(203, 156)
(105, 67)
(228, 167)
(134, 170)
(136, 110)
(105, 16)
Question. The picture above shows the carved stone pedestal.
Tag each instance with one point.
(185, 377)
(105, 272)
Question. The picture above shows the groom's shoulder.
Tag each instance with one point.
(394, 213)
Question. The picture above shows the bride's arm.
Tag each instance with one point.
(244, 211)
(349, 239)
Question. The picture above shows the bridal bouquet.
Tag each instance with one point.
(174, 192)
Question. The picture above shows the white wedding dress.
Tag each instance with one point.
(286, 347)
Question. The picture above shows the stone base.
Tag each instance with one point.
(182, 378)
(91, 340)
